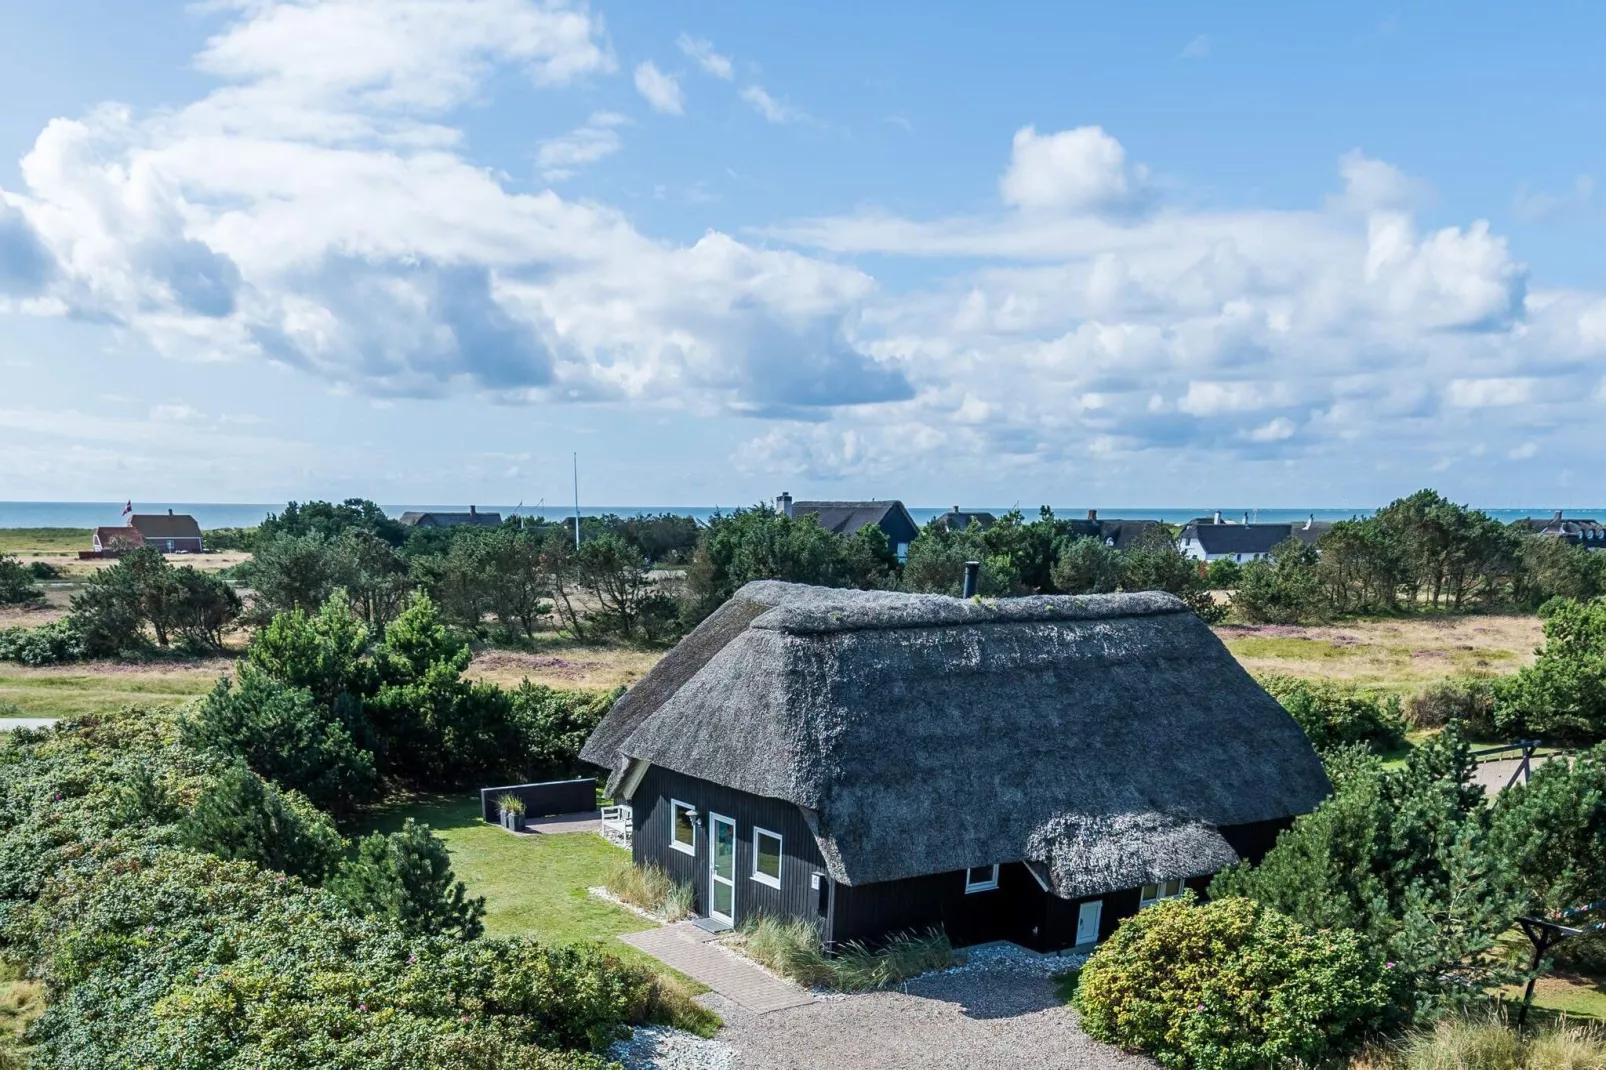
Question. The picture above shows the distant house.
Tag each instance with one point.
(1212, 538)
(416, 519)
(169, 532)
(109, 542)
(1028, 769)
(1574, 530)
(1120, 534)
(957, 519)
(845, 518)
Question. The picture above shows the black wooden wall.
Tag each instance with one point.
(800, 858)
(1018, 909)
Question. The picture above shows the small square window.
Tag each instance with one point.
(766, 857)
(1150, 894)
(682, 826)
(981, 879)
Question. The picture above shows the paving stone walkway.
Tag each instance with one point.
(691, 950)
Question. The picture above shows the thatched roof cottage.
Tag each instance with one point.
(1029, 769)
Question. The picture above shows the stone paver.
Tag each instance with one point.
(690, 950)
(1493, 776)
(586, 822)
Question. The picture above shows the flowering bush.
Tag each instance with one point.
(1228, 986)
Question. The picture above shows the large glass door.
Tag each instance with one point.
(722, 869)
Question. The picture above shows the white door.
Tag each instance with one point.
(1087, 922)
(722, 869)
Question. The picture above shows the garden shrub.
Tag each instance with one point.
(406, 878)
(17, 583)
(284, 734)
(242, 817)
(154, 954)
(1562, 695)
(1334, 716)
(48, 644)
(1229, 985)
(1466, 701)
(1550, 833)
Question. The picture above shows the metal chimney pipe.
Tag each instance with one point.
(972, 578)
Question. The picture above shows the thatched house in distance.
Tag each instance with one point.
(1030, 769)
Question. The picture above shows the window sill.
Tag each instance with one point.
(676, 845)
(768, 882)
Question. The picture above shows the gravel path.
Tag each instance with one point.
(1000, 1010)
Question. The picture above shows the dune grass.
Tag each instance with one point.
(44, 541)
(94, 687)
(791, 947)
(1396, 654)
(1487, 1042)
(651, 888)
(21, 1001)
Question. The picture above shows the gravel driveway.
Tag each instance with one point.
(1002, 1014)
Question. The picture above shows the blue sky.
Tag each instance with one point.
(420, 250)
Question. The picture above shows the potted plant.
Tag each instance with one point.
(512, 810)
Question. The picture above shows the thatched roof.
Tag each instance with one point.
(921, 733)
(1086, 854)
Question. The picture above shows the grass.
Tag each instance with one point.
(44, 541)
(791, 947)
(536, 885)
(73, 690)
(1396, 654)
(21, 1001)
(651, 888)
(1489, 1043)
(558, 662)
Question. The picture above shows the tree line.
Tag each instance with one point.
(1422, 551)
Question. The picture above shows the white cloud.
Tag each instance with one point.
(773, 110)
(1274, 431)
(1081, 170)
(1523, 452)
(1533, 206)
(703, 53)
(1372, 185)
(598, 138)
(1198, 48)
(1489, 393)
(331, 221)
(660, 90)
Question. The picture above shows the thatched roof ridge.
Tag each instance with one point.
(924, 734)
(804, 610)
(1090, 854)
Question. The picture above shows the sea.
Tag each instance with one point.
(244, 515)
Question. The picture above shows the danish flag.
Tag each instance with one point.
(129, 508)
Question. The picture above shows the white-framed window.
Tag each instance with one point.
(981, 879)
(683, 826)
(767, 857)
(1153, 893)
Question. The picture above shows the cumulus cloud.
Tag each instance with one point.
(312, 212)
(326, 217)
(661, 91)
(702, 51)
(1081, 170)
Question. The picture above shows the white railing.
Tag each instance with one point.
(617, 822)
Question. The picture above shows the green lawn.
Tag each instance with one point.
(57, 693)
(533, 885)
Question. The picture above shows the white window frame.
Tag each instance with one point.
(1160, 886)
(972, 887)
(780, 858)
(674, 842)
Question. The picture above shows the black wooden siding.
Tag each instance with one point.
(1018, 910)
(800, 855)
